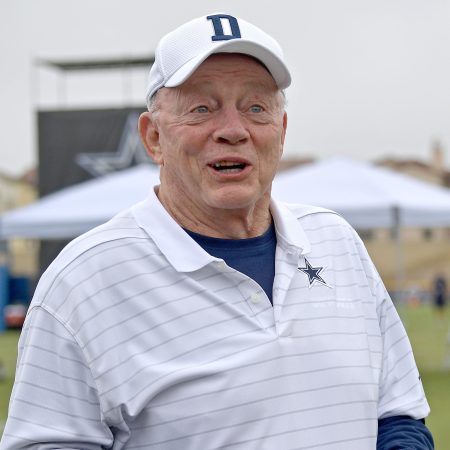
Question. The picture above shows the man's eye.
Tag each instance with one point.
(201, 109)
(256, 108)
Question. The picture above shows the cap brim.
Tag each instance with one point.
(273, 63)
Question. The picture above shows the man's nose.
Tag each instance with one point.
(231, 127)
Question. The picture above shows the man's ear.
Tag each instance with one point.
(148, 130)
(283, 133)
(285, 121)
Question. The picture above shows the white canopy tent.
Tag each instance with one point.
(78, 208)
(366, 195)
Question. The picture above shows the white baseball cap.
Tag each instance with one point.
(181, 51)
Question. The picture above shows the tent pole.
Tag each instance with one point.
(399, 257)
(4, 283)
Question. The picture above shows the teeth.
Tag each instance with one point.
(226, 164)
(230, 170)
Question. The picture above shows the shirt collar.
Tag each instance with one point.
(290, 234)
(185, 255)
(182, 252)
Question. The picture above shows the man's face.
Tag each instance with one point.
(219, 136)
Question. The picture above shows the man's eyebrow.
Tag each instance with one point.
(255, 84)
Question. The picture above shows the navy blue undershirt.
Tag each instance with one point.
(255, 257)
(403, 433)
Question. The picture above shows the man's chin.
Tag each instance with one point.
(237, 200)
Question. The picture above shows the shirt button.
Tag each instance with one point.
(287, 330)
(255, 298)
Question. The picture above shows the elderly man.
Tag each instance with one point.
(211, 316)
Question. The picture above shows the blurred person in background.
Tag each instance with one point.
(439, 293)
(210, 315)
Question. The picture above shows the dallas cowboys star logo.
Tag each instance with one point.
(129, 150)
(313, 273)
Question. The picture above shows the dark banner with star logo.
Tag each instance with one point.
(75, 146)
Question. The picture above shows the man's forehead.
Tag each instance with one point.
(245, 59)
(236, 64)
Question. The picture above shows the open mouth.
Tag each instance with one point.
(228, 166)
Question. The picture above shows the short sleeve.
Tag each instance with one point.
(400, 387)
(401, 391)
(54, 402)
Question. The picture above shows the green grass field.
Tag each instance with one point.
(428, 337)
(8, 354)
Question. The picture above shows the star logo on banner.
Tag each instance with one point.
(313, 274)
(129, 150)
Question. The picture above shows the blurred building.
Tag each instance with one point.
(17, 191)
(433, 171)
(22, 253)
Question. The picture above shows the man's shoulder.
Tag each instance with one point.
(303, 212)
(121, 227)
(118, 239)
(303, 225)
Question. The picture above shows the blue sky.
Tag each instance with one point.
(370, 78)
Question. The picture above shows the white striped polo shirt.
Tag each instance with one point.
(137, 338)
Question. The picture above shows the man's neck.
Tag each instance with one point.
(221, 223)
